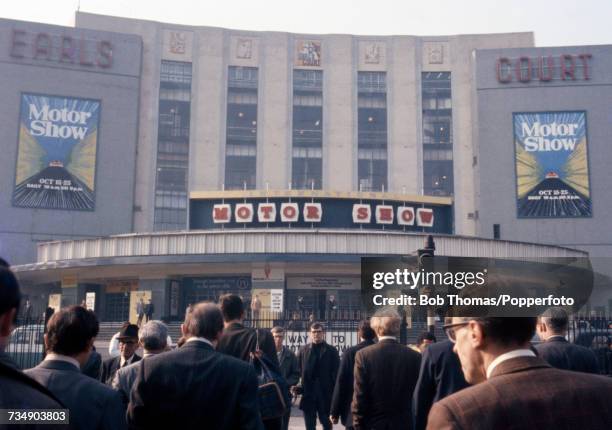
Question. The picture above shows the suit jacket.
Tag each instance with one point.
(526, 393)
(239, 341)
(440, 376)
(385, 377)
(324, 374)
(93, 365)
(561, 354)
(110, 367)
(124, 379)
(343, 390)
(289, 366)
(19, 391)
(194, 387)
(92, 405)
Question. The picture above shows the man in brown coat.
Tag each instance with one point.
(385, 376)
(513, 388)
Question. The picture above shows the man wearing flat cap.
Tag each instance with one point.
(128, 343)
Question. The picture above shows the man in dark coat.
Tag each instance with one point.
(240, 341)
(514, 389)
(318, 363)
(556, 350)
(440, 376)
(69, 339)
(94, 364)
(385, 377)
(195, 386)
(343, 390)
(288, 365)
(128, 343)
(17, 390)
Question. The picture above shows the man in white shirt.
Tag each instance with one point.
(514, 388)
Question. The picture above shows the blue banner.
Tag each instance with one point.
(552, 171)
(56, 160)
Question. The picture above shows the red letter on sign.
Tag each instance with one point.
(503, 70)
(523, 77)
(289, 212)
(425, 217)
(244, 212)
(312, 212)
(266, 212)
(585, 65)
(405, 215)
(384, 214)
(42, 46)
(567, 70)
(549, 67)
(361, 214)
(221, 214)
(17, 43)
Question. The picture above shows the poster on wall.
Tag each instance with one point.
(56, 155)
(308, 53)
(551, 159)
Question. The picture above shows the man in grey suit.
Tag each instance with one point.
(556, 350)
(153, 338)
(70, 336)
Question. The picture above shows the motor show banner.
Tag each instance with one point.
(56, 161)
(552, 172)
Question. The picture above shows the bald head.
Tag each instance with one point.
(386, 322)
(204, 320)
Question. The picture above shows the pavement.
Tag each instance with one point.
(297, 418)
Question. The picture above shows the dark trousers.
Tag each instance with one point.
(274, 424)
(286, 419)
(322, 409)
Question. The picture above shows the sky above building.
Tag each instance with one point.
(554, 22)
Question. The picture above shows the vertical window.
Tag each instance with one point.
(372, 131)
(307, 136)
(241, 141)
(172, 146)
(437, 134)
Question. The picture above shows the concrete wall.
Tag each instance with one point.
(117, 89)
(496, 169)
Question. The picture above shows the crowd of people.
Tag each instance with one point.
(486, 375)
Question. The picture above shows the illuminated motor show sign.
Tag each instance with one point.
(322, 211)
(524, 69)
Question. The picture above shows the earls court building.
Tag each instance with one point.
(194, 161)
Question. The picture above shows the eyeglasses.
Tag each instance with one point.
(451, 330)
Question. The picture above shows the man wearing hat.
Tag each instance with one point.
(128, 343)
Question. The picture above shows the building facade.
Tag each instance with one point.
(271, 162)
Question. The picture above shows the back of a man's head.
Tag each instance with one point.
(365, 332)
(70, 330)
(231, 307)
(508, 331)
(10, 296)
(205, 320)
(153, 336)
(386, 322)
(556, 320)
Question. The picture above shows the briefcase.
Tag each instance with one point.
(273, 392)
